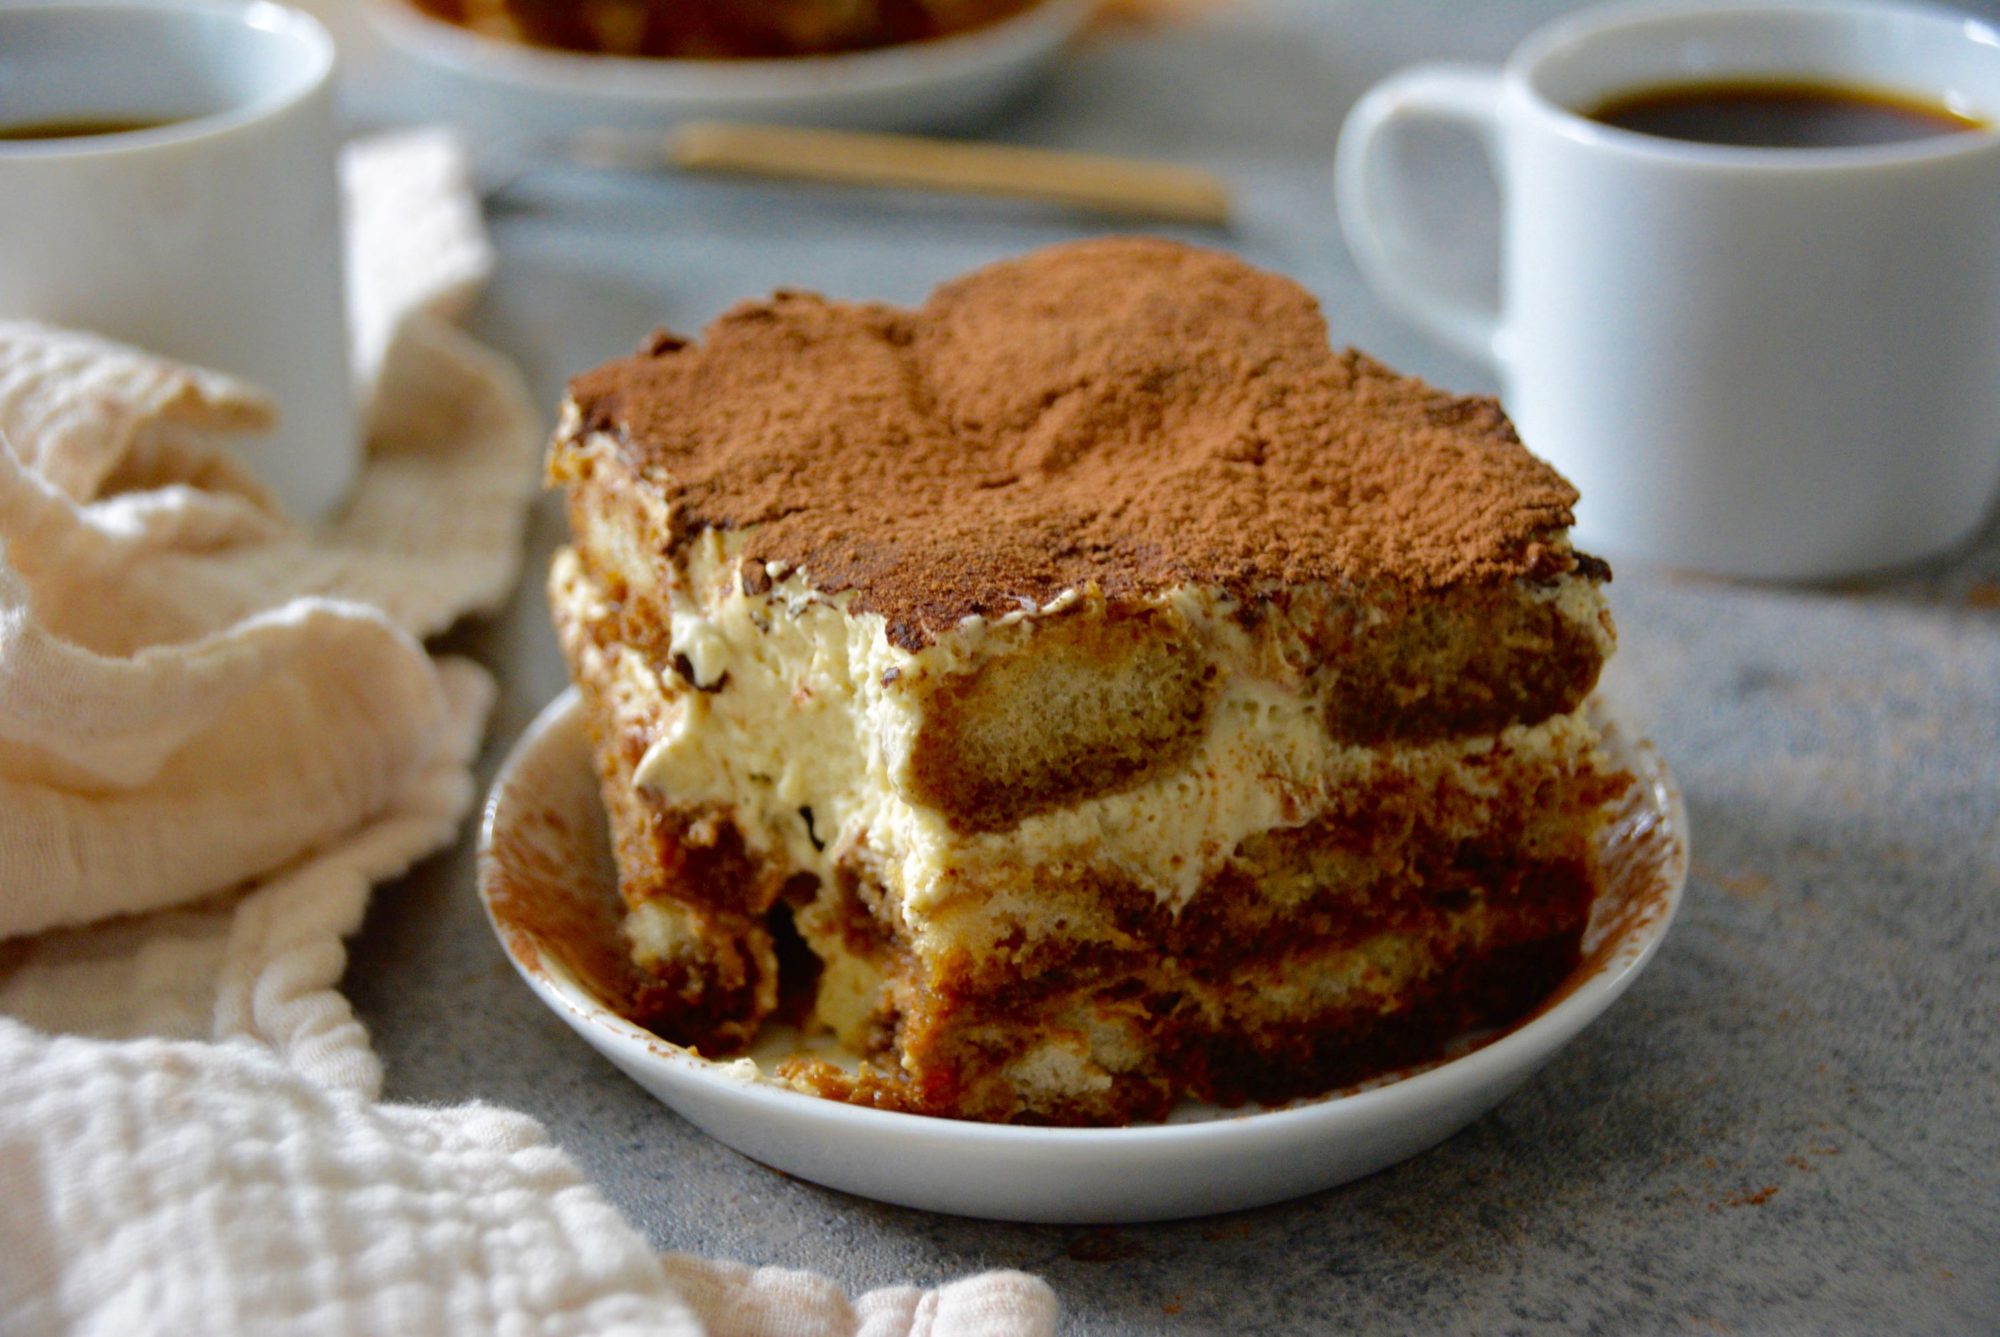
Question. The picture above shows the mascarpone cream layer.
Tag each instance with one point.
(798, 717)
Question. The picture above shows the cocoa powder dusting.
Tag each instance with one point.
(1132, 413)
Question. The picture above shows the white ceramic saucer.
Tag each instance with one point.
(543, 846)
(917, 85)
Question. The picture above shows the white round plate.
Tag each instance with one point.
(544, 859)
(916, 85)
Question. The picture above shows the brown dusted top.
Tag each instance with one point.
(1134, 413)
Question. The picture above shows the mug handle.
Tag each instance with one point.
(1369, 195)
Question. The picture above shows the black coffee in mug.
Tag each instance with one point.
(1777, 114)
(76, 129)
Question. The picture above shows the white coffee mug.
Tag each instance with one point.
(214, 236)
(1767, 362)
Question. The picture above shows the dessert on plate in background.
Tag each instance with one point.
(529, 68)
(721, 29)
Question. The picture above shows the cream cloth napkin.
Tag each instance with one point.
(217, 730)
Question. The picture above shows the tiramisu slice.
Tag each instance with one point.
(1081, 693)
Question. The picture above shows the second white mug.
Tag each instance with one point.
(212, 234)
(1765, 362)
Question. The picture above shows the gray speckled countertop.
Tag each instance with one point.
(1791, 1123)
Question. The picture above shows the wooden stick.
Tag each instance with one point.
(1084, 180)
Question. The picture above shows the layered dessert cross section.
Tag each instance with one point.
(1084, 692)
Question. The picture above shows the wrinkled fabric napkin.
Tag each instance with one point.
(218, 729)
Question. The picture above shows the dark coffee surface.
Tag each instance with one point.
(75, 129)
(1772, 114)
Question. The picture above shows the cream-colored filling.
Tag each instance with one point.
(796, 715)
(803, 714)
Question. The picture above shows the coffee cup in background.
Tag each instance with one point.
(168, 178)
(1776, 361)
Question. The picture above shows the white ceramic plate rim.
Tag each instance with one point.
(1518, 1051)
(735, 82)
